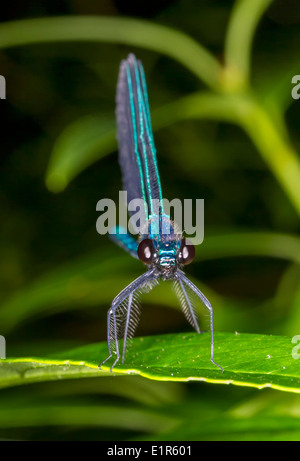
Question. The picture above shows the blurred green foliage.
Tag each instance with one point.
(219, 80)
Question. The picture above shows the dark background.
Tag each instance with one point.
(51, 85)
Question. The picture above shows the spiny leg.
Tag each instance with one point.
(129, 290)
(196, 290)
(112, 314)
(127, 325)
(108, 338)
(115, 337)
(195, 322)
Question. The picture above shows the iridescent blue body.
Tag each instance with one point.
(160, 245)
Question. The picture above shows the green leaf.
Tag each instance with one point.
(258, 361)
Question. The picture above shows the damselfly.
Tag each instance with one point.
(164, 253)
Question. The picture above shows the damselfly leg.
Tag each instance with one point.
(125, 302)
(181, 276)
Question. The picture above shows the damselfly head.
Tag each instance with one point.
(161, 254)
(166, 255)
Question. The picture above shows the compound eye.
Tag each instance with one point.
(187, 252)
(146, 251)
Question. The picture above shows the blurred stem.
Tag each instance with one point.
(288, 286)
(92, 415)
(239, 108)
(259, 244)
(277, 152)
(243, 22)
(267, 133)
(135, 32)
(244, 110)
